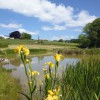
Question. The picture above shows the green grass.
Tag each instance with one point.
(60, 43)
(29, 42)
(2, 53)
(16, 41)
(3, 45)
(9, 52)
(37, 51)
(81, 81)
(8, 86)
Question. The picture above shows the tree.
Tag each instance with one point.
(15, 34)
(61, 40)
(26, 36)
(92, 34)
(84, 41)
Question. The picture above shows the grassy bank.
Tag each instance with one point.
(29, 42)
(81, 81)
(77, 51)
(32, 51)
(8, 86)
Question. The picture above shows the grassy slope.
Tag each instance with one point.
(8, 86)
(34, 42)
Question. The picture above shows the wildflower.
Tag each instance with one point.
(50, 64)
(52, 95)
(47, 76)
(44, 69)
(30, 82)
(21, 49)
(25, 51)
(58, 57)
(32, 73)
(27, 60)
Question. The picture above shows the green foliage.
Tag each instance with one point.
(93, 51)
(61, 40)
(9, 51)
(8, 86)
(26, 36)
(81, 81)
(91, 38)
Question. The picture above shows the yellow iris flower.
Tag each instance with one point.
(32, 73)
(52, 95)
(47, 76)
(58, 57)
(44, 69)
(22, 49)
(50, 64)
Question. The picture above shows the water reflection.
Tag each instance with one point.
(37, 64)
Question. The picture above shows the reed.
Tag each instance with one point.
(81, 81)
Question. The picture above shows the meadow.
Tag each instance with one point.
(77, 82)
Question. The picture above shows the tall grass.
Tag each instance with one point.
(9, 86)
(81, 81)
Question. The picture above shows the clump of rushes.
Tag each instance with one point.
(30, 74)
(51, 89)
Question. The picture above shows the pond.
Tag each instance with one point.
(37, 64)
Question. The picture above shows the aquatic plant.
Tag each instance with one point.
(30, 74)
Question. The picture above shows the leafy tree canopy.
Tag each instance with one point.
(15, 34)
(25, 36)
(91, 38)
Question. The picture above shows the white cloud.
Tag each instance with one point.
(42, 9)
(81, 19)
(21, 30)
(48, 12)
(56, 27)
(11, 25)
(66, 37)
(77, 30)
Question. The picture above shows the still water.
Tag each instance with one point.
(37, 64)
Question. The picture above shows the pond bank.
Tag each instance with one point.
(9, 86)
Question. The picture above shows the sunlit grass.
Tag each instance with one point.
(8, 86)
(82, 81)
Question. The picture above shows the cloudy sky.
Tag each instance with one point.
(47, 19)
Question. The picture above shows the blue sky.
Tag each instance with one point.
(47, 19)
